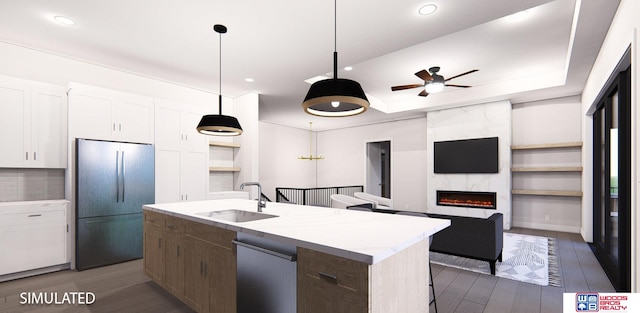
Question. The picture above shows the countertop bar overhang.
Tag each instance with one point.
(360, 236)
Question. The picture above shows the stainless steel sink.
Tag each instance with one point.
(236, 216)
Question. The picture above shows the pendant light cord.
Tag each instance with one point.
(220, 78)
(335, 39)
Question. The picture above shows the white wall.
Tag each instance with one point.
(245, 109)
(279, 166)
(345, 159)
(50, 68)
(477, 121)
(622, 34)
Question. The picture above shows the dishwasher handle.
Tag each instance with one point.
(288, 257)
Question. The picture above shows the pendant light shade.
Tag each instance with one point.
(218, 124)
(335, 97)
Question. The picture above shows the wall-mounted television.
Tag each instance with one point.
(479, 155)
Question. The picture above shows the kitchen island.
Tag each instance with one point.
(347, 261)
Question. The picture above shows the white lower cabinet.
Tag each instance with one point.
(33, 235)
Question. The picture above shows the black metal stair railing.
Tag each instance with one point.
(320, 196)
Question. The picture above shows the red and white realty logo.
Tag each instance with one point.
(595, 302)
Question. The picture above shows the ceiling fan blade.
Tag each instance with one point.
(423, 93)
(465, 73)
(424, 75)
(403, 87)
(460, 86)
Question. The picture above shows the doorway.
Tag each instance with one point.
(379, 168)
(612, 181)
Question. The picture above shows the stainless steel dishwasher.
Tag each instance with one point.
(266, 275)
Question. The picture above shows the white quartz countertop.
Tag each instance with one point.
(361, 236)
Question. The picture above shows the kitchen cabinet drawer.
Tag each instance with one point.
(327, 283)
(210, 234)
(34, 217)
(173, 225)
(345, 274)
(154, 218)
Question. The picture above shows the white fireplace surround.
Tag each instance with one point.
(477, 121)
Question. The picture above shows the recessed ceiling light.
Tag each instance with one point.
(428, 9)
(64, 20)
(348, 68)
(249, 80)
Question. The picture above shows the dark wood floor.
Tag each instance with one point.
(124, 288)
(459, 291)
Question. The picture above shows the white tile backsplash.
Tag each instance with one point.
(18, 184)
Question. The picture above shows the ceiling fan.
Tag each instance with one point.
(432, 81)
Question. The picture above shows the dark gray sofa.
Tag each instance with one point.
(471, 237)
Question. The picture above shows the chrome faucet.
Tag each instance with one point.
(261, 204)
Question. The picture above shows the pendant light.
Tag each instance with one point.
(335, 97)
(218, 124)
(310, 157)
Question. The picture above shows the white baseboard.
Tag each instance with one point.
(544, 226)
(38, 271)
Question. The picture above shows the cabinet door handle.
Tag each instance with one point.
(35, 215)
(26, 155)
(328, 277)
(119, 127)
(159, 242)
(117, 175)
(34, 156)
(114, 126)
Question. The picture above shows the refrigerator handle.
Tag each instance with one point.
(117, 176)
(124, 175)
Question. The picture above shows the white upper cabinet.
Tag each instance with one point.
(177, 127)
(181, 153)
(33, 116)
(103, 114)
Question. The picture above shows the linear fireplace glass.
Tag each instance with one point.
(467, 199)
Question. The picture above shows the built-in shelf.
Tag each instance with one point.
(224, 144)
(548, 169)
(575, 144)
(562, 193)
(224, 169)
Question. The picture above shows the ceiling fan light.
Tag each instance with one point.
(322, 94)
(219, 125)
(433, 87)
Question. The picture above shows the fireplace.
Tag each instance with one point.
(467, 199)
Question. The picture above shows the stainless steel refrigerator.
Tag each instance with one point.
(113, 181)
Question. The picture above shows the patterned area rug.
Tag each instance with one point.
(530, 259)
